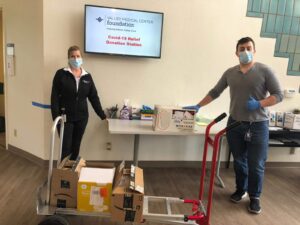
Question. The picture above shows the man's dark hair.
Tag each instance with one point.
(72, 49)
(243, 41)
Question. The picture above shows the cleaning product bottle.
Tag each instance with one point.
(125, 113)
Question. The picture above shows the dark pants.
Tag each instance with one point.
(73, 132)
(249, 155)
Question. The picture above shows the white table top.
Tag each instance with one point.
(117, 126)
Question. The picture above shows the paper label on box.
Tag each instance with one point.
(132, 185)
(95, 197)
(173, 119)
(183, 119)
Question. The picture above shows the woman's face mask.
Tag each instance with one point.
(245, 57)
(75, 62)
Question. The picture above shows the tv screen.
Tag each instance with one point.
(118, 31)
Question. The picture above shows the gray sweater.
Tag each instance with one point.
(257, 82)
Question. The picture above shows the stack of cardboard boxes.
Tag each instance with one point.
(99, 187)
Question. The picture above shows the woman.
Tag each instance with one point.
(70, 89)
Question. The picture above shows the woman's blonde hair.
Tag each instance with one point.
(72, 49)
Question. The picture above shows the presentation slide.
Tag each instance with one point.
(125, 32)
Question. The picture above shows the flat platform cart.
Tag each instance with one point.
(200, 212)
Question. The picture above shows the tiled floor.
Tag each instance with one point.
(281, 20)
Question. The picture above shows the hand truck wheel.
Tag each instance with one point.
(185, 218)
(54, 220)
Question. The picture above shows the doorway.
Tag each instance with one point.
(2, 93)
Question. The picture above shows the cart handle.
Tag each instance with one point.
(216, 120)
(219, 118)
(233, 125)
(60, 119)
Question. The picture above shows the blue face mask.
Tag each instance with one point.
(75, 63)
(245, 57)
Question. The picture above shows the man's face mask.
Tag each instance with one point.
(246, 57)
(75, 63)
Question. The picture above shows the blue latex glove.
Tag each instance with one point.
(145, 107)
(253, 104)
(194, 107)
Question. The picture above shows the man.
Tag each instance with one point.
(249, 84)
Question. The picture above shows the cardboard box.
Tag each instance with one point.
(63, 190)
(168, 118)
(292, 121)
(64, 180)
(94, 189)
(128, 195)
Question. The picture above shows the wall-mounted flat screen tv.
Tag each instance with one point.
(118, 31)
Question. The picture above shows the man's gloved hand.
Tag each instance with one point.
(194, 107)
(253, 104)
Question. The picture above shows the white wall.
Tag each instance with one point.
(199, 41)
(23, 24)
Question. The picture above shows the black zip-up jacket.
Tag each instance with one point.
(65, 95)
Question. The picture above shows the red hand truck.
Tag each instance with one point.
(200, 213)
(202, 217)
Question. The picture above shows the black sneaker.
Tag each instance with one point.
(238, 196)
(254, 206)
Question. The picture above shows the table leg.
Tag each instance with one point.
(219, 163)
(136, 149)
